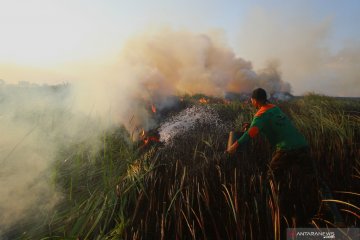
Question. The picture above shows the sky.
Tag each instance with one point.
(316, 43)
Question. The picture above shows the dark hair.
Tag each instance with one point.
(260, 95)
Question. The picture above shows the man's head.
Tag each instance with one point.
(258, 97)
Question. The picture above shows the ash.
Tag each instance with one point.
(190, 119)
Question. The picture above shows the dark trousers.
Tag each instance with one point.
(296, 188)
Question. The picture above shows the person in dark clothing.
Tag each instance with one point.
(291, 168)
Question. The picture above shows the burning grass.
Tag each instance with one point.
(186, 188)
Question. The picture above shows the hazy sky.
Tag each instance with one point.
(317, 43)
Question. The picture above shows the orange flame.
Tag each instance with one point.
(153, 108)
(142, 134)
(147, 139)
(203, 100)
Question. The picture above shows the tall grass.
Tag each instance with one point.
(191, 189)
(332, 127)
(88, 181)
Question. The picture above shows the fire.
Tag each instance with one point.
(203, 100)
(153, 108)
(150, 139)
(142, 134)
(147, 139)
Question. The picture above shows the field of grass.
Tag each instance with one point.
(191, 189)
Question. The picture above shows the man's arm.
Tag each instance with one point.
(253, 131)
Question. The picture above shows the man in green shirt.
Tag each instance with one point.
(291, 167)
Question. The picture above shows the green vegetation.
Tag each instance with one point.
(192, 190)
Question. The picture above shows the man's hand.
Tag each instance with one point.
(232, 148)
(245, 126)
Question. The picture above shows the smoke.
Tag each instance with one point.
(342, 71)
(156, 65)
(304, 46)
(172, 62)
(34, 122)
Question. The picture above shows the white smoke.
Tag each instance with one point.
(161, 63)
(34, 121)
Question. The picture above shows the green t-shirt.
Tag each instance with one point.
(277, 128)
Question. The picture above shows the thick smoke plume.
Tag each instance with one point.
(170, 62)
(159, 64)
